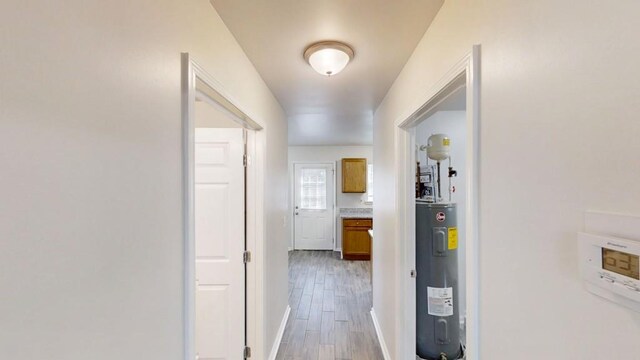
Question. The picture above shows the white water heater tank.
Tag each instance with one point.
(438, 147)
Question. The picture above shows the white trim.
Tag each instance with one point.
(256, 145)
(383, 344)
(337, 230)
(464, 73)
(188, 104)
(292, 189)
(229, 107)
(276, 343)
(256, 230)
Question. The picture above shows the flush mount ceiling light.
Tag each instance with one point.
(328, 57)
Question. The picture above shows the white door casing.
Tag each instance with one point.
(219, 244)
(467, 72)
(314, 199)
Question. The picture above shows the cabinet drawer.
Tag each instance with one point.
(357, 222)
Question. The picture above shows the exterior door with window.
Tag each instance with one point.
(314, 197)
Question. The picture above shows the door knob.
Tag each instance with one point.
(296, 213)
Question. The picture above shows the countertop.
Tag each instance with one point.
(356, 213)
(356, 216)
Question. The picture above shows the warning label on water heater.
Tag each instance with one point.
(440, 301)
(453, 238)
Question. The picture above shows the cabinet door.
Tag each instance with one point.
(356, 244)
(354, 175)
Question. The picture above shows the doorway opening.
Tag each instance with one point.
(452, 107)
(330, 296)
(223, 216)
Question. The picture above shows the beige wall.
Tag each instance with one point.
(207, 116)
(90, 139)
(559, 128)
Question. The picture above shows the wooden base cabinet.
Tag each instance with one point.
(356, 243)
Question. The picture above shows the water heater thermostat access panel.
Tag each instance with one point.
(610, 268)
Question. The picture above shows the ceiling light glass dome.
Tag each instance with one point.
(328, 58)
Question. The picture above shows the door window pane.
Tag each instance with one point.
(313, 189)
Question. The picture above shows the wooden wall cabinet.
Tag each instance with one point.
(356, 243)
(354, 175)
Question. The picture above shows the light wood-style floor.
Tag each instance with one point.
(330, 303)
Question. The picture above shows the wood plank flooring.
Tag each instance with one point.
(330, 303)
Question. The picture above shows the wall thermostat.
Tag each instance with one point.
(610, 267)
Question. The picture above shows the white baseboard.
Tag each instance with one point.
(383, 344)
(278, 340)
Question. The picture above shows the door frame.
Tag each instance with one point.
(292, 188)
(465, 73)
(215, 94)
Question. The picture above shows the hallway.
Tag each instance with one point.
(330, 302)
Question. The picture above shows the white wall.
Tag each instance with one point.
(452, 123)
(206, 116)
(91, 212)
(558, 106)
(332, 154)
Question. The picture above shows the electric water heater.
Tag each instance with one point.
(437, 290)
(437, 309)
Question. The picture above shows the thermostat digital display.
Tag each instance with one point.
(621, 262)
(610, 268)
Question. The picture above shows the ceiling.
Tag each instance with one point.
(337, 110)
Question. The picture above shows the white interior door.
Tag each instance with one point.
(314, 190)
(220, 243)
